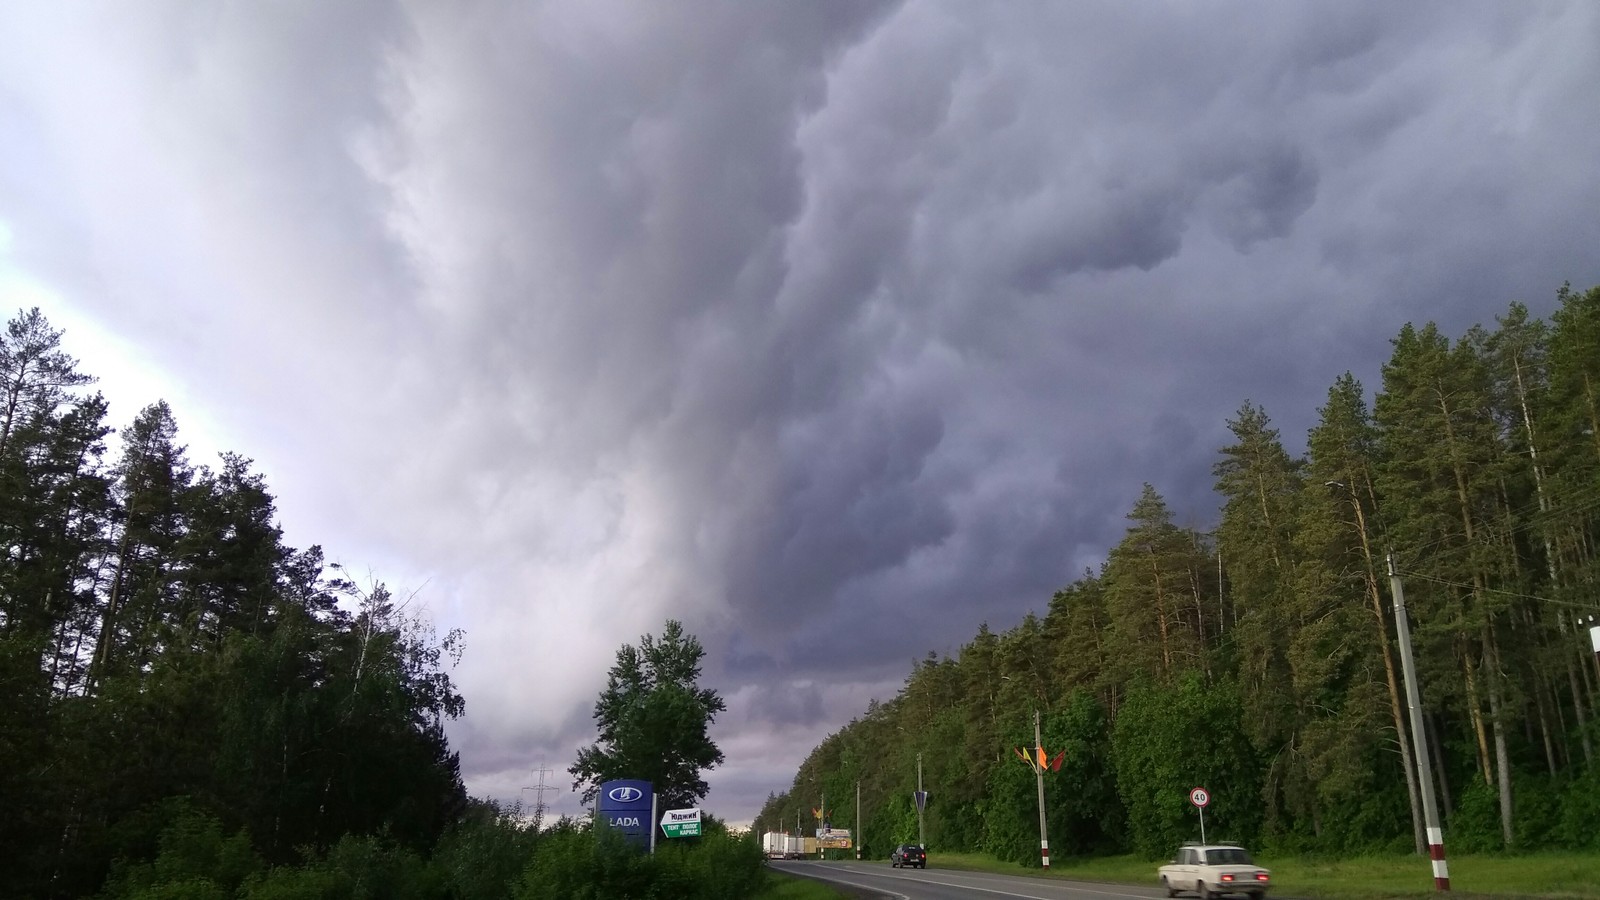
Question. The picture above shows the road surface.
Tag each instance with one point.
(878, 879)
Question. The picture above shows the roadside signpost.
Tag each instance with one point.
(628, 805)
(677, 823)
(1200, 797)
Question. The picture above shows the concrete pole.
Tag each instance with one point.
(820, 819)
(1038, 774)
(1419, 735)
(858, 818)
(922, 836)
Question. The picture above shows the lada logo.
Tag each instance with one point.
(625, 794)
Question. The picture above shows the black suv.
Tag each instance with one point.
(908, 855)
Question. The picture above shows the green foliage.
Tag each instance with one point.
(1168, 740)
(575, 862)
(195, 859)
(1259, 658)
(653, 719)
(158, 640)
(482, 856)
(1579, 811)
(357, 868)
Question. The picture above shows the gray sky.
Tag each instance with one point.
(832, 329)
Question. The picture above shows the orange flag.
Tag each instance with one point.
(1043, 759)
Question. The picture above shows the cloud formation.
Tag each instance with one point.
(833, 329)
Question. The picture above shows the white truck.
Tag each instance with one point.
(777, 845)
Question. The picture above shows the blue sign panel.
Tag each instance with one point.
(625, 805)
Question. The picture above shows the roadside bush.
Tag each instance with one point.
(573, 862)
(194, 861)
(1579, 811)
(483, 856)
(1475, 826)
(1538, 811)
(577, 863)
(718, 866)
(364, 868)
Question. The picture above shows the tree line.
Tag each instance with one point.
(166, 661)
(1258, 658)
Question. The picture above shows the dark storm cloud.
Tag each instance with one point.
(835, 329)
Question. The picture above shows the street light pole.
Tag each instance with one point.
(1419, 735)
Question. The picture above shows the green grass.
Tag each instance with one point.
(1546, 875)
(793, 887)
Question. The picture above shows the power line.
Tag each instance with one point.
(1489, 590)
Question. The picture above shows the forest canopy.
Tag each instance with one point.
(1258, 658)
(166, 661)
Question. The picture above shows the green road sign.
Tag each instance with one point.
(677, 823)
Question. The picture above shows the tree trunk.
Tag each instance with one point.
(1577, 709)
(1161, 618)
(108, 621)
(1396, 709)
(1437, 745)
(1540, 696)
(1497, 719)
(1475, 712)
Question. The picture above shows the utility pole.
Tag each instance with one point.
(922, 837)
(1038, 774)
(858, 818)
(1419, 735)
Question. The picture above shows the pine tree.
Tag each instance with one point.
(1151, 598)
(1345, 538)
(1441, 472)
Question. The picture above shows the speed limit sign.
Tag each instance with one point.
(1199, 797)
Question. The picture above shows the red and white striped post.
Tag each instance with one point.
(1441, 869)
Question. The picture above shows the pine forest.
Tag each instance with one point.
(1259, 658)
(173, 677)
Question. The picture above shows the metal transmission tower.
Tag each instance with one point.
(539, 790)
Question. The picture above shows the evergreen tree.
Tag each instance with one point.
(654, 720)
(1155, 618)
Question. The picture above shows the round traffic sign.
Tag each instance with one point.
(1199, 796)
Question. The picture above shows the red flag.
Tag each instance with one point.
(1055, 764)
(1020, 755)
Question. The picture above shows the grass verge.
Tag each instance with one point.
(1554, 876)
(793, 887)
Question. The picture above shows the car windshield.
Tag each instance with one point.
(1227, 856)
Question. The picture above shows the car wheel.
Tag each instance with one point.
(1167, 886)
(1205, 891)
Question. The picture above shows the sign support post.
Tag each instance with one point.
(1200, 797)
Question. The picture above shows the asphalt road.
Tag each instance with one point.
(876, 879)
